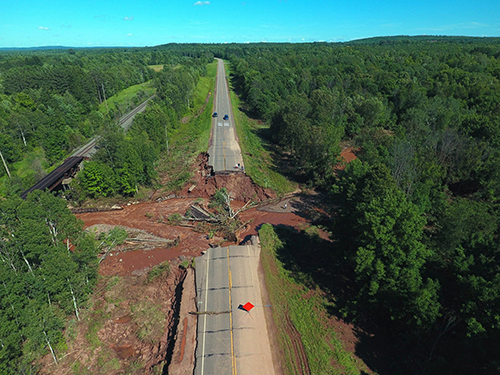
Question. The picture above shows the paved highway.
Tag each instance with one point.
(230, 340)
(224, 150)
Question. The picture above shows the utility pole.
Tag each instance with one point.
(5, 165)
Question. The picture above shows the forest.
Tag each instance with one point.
(415, 218)
(414, 229)
(51, 102)
(48, 268)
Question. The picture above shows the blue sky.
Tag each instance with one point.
(87, 23)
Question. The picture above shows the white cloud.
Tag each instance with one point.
(128, 18)
(129, 34)
(202, 3)
(43, 28)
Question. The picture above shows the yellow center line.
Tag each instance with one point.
(233, 358)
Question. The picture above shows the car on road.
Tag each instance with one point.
(226, 117)
(215, 114)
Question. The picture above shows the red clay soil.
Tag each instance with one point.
(117, 328)
(151, 217)
(347, 155)
(183, 356)
(147, 216)
(239, 185)
(258, 217)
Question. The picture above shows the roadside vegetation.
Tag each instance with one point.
(190, 138)
(300, 309)
(258, 157)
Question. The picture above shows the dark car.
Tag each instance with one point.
(226, 117)
(215, 114)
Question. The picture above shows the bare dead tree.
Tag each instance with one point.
(403, 166)
(5, 165)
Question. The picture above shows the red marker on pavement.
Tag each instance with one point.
(247, 307)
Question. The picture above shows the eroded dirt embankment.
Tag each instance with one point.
(240, 186)
(129, 329)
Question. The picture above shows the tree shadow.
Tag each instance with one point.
(308, 206)
(317, 262)
(281, 160)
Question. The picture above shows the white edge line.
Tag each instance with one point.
(205, 318)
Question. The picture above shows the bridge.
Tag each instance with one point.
(65, 171)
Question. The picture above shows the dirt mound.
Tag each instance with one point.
(240, 186)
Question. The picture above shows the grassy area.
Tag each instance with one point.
(205, 85)
(124, 98)
(156, 68)
(150, 320)
(189, 139)
(32, 167)
(259, 164)
(157, 271)
(95, 321)
(295, 300)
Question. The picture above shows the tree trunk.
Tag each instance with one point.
(74, 303)
(22, 134)
(5, 165)
(50, 347)
(105, 101)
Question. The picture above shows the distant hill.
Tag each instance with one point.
(406, 39)
(380, 40)
(43, 48)
(53, 48)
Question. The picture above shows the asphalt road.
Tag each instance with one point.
(224, 151)
(230, 339)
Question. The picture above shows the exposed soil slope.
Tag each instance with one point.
(239, 185)
(128, 329)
